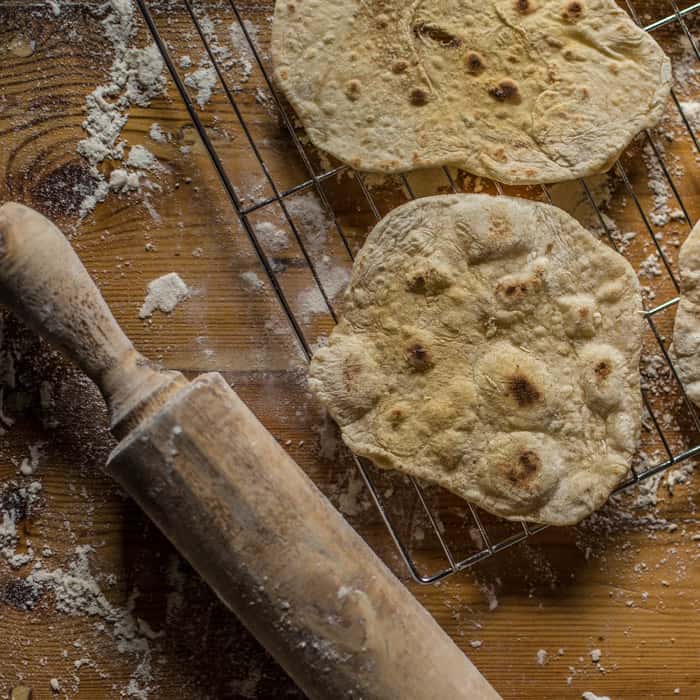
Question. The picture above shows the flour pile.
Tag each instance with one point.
(164, 294)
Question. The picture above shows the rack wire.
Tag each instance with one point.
(490, 545)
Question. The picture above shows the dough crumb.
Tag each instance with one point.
(55, 685)
(595, 655)
(542, 657)
(164, 294)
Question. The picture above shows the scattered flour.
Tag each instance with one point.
(31, 464)
(141, 158)
(685, 66)
(595, 655)
(658, 185)
(252, 281)
(475, 643)
(588, 695)
(308, 214)
(650, 266)
(489, 590)
(203, 80)
(77, 592)
(121, 180)
(315, 225)
(18, 501)
(164, 294)
(353, 500)
(681, 475)
(135, 77)
(274, 239)
(238, 55)
(334, 280)
(647, 491)
(55, 685)
(156, 133)
(691, 111)
(542, 657)
(243, 56)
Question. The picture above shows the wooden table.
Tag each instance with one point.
(624, 582)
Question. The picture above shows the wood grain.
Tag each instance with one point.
(566, 588)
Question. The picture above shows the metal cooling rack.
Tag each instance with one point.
(490, 544)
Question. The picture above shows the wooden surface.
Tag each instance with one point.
(625, 582)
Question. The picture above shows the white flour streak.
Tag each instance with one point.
(203, 80)
(135, 78)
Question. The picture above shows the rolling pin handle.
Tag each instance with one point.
(44, 282)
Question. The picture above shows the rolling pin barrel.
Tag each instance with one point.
(234, 503)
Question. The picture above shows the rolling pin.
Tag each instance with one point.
(233, 502)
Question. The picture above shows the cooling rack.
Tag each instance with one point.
(490, 542)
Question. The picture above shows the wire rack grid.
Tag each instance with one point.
(491, 544)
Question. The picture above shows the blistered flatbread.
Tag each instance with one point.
(523, 91)
(490, 345)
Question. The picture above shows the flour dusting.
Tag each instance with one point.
(233, 56)
(252, 281)
(691, 111)
(164, 294)
(76, 591)
(135, 78)
(141, 158)
(157, 134)
(121, 180)
(243, 56)
(31, 464)
(273, 238)
(18, 500)
(203, 80)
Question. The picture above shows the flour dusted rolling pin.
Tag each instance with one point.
(233, 502)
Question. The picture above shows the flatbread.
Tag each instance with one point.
(686, 330)
(522, 91)
(490, 345)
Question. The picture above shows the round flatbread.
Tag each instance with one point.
(490, 345)
(522, 91)
(686, 329)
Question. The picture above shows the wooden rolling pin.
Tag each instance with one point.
(232, 501)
